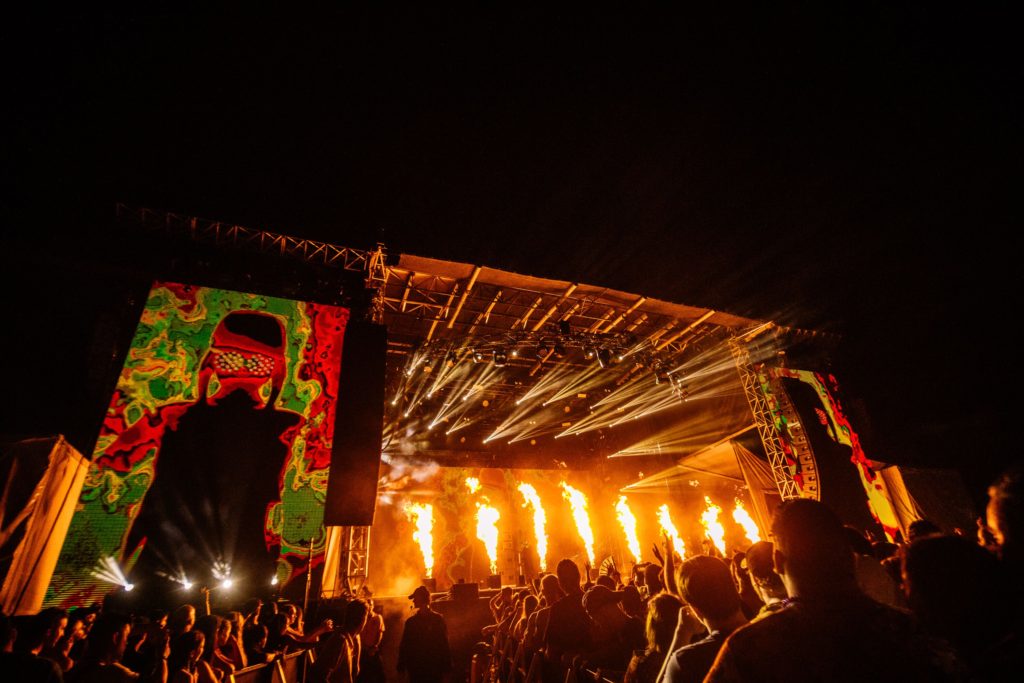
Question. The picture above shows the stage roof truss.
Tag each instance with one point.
(536, 331)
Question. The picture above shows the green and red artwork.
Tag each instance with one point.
(190, 349)
(841, 431)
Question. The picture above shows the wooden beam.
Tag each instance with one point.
(622, 316)
(465, 295)
(554, 307)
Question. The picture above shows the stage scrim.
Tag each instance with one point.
(213, 456)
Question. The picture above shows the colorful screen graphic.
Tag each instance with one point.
(225, 405)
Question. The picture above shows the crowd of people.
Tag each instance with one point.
(189, 644)
(819, 602)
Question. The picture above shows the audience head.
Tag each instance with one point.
(632, 603)
(108, 637)
(182, 620)
(706, 584)
(186, 650)
(550, 589)
(812, 553)
(254, 637)
(883, 550)
(267, 611)
(530, 605)
(356, 613)
(662, 616)
(761, 568)
(920, 528)
(652, 578)
(210, 625)
(606, 581)
(420, 597)
(568, 576)
(953, 586)
(602, 603)
(858, 541)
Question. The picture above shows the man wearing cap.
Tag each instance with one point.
(423, 652)
(614, 634)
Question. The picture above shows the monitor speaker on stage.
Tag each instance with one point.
(358, 428)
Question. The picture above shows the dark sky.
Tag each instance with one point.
(851, 169)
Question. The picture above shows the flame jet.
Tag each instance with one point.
(744, 519)
(712, 527)
(628, 522)
(422, 516)
(579, 512)
(665, 519)
(539, 522)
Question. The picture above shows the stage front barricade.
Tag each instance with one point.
(287, 669)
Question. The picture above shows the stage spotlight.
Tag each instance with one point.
(660, 373)
(514, 353)
(500, 358)
(604, 357)
(478, 356)
(590, 353)
(449, 359)
(226, 583)
(187, 585)
(273, 581)
(543, 348)
(618, 356)
(560, 351)
(129, 586)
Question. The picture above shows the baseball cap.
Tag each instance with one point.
(599, 596)
(420, 592)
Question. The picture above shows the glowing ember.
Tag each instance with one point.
(744, 519)
(712, 527)
(665, 519)
(487, 531)
(628, 522)
(579, 512)
(539, 522)
(473, 484)
(423, 517)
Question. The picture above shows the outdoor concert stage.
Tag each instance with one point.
(285, 405)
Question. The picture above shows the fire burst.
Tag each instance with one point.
(665, 519)
(712, 527)
(423, 517)
(744, 519)
(539, 522)
(487, 531)
(473, 484)
(582, 517)
(628, 522)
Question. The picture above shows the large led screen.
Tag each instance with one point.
(213, 457)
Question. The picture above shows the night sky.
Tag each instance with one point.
(852, 170)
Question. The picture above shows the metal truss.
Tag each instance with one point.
(226, 234)
(764, 421)
(355, 559)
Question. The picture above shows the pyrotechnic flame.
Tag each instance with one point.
(487, 531)
(744, 519)
(712, 527)
(473, 484)
(628, 522)
(579, 513)
(423, 517)
(539, 522)
(665, 519)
